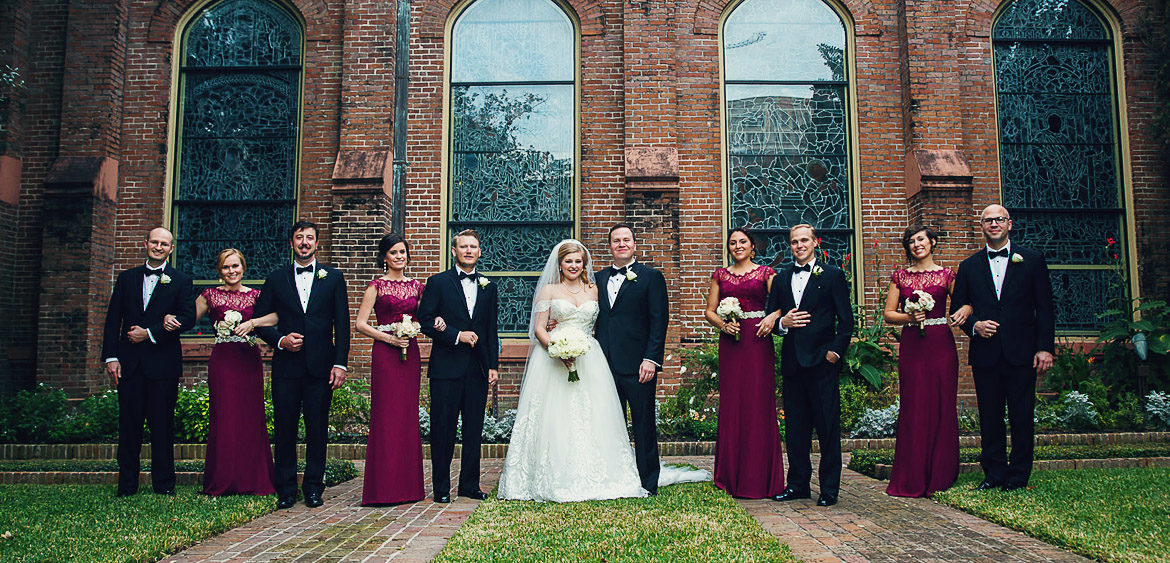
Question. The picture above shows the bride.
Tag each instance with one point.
(569, 442)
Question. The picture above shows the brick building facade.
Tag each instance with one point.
(88, 151)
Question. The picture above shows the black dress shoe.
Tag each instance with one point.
(790, 494)
(286, 502)
(313, 500)
(1016, 487)
(476, 494)
(443, 498)
(985, 486)
(826, 500)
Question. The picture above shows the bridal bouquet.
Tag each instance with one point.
(729, 310)
(406, 328)
(919, 302)
(225, 328)
(568, 343)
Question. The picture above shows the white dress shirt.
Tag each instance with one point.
(470, 293)
(614, 285)
(799, 284)
(304, 281)
(999, 266)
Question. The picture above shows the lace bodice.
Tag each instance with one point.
(220, 301)
(751, 288)
(935, 282)
(567, 314)
(396, 298)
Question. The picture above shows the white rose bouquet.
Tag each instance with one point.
(729, 310)
(226, 327)
(919, 302)
(568, 343)
(406, 328)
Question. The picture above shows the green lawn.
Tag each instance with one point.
(86, 522)
(688, 522)
(1107, 514)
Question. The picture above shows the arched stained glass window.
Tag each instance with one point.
(787, 123)
(512, 152)
(235, 178)
(1059, 146)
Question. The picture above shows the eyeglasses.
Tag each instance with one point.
(996, 220)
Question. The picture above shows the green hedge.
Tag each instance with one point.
(337, 471)
(864, 461)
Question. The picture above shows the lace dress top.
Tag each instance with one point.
(751, 288)
(396, 298)
(220, 301)
(935, 282)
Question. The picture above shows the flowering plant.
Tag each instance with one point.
(406, 328)
(919, 302)
(567, 344)
(729, 310)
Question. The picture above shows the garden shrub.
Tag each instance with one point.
(877, 423)
(1158, 409)
(1079, 412)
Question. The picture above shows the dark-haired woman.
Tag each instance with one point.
(747, 446)
(926, 454)
(394, 462)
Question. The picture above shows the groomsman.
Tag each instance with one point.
(310, 351)
(1013, 333)
(631, 328)
(463, 363)
(817, 325)
(144, 360)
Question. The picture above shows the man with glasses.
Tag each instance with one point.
(1012, 330)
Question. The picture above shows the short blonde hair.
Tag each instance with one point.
(464, 233)
(802, 226)
(227, 253)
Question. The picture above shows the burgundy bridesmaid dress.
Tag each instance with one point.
(239, 459)
(394, 461)
(748, 445)
(926, 454)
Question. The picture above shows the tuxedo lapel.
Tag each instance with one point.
(1009, 274)
(625, 286)
(603, 289)
(459, 297)
(786, 301)
(317, 281)
(291, 277)
(984, 273)
(158, 287)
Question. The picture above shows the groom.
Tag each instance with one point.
(631, 328)
(310, 350)
(463, 363)
(1012, 330)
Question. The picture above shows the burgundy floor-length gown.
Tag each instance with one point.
(239, 458)
(394, 461)
(926, 454)
(748, 446)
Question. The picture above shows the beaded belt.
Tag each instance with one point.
(753, 315)
(935, 321)
(232, 338)
(385, 328)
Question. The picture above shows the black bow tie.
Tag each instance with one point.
(620, 271)
(805, 268)
(1002, 253)
(150, 272)
(467, 276)
(302, 269)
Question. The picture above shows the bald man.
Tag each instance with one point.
(1012, 330)
(144, 360)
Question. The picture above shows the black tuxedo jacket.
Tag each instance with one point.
(826, 299)
(443, 297)
(324, 323)
(162, 359)
(633, 327)
(1024, 311)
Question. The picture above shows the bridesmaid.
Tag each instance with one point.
(239, 459)
(394, 461)
(747, 447)
(926, 454)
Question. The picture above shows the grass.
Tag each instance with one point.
(86, 522)
(1106, 514)
(687, 522)
(863, 461)
(337, 471)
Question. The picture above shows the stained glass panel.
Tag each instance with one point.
(1060, 174)
(772, 247)
(513, 138)
(767, 40)
(237, 153)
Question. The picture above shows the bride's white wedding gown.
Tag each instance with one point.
(569, 442)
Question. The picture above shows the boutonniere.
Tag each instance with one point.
(817, 270)
(631, 276)
(321, 273)
(482, 281)
(1016, 258)
(164, 279)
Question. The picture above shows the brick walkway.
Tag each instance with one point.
(867, 525)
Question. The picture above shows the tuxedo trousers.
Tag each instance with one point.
(812, 399)
(153, 401)
(452, 399)
(640, 398)
(1014, 386)
(291, 396)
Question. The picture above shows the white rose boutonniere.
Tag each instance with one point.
(164, 279)
(482, 281)
(321, 273)
(1016, 258)
(631, 276)
(817, 270)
